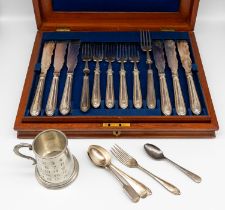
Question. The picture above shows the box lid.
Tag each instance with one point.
(116, 15)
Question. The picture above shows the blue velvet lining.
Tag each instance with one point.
(116, 111)
(116, 5)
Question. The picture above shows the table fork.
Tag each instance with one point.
(97, 57)
(131, 162)
(122, 57)
(85, 98)
(146, 46)
(110, 55)
(134, 58)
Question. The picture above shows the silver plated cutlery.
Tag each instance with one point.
(122, 58)
(185, 57)
(135, 189)
(110, 56)
(134, 57)
(85, 97)
(72, 59)
(146, 46)
(171, 54)
(59, 60)
(157, 154)
(45, 65)
(97, 57)
(131, 162)
(158, 53)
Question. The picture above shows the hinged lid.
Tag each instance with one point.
(115, 15)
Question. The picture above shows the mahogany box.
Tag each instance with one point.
(116, 21)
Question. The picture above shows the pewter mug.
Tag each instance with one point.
(56, 167)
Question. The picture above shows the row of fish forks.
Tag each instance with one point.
(110, 52)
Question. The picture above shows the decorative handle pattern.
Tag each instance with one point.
(96, 94)
(193, 95)
(110, 98)
(137, 96)
(65, 105)
(171, 188)
(151, 99)
(165, 98)
(140, 188)
(22, 145)
(123, 97)
(190, 174)
(85, 98)
(179, 100)
(37, 101)
(52, 98)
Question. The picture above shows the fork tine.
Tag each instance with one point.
(116, 145)
(121, 154)
(118, 156)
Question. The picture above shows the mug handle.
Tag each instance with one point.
(17, 151)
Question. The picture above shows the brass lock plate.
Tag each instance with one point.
(116, 125)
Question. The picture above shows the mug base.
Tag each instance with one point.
(55, 186)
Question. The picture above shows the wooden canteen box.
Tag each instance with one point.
(116, 22)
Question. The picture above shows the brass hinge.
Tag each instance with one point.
(167, 29)
(63, 29)
(115, 125)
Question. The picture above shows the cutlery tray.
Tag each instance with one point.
(116, 122)
(114, 38)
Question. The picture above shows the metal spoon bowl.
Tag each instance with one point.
(157, 154)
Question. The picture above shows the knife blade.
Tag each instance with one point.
(184, 51)
(160, 63)
(170, 49)
(59, 60)
(45, 64)
(72, 59)
(158, 54)
(171, 54)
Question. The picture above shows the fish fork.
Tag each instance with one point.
(146, 46)
(122, 57)
(85, 98)
(97, 57)
(110, 55)
(131, 162)
(134, 58)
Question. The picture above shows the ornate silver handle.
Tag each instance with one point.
(85, 98)
(179, 100)
(191, 175)
(22, 145)
(123, 96)
(151, 99)
(171, 188)
(140, 188)
(137, 96)
(52, 98)
(65, 104)
(96, 94)
(37, 101)
(110, 98)
(165, 98)
(193, 95)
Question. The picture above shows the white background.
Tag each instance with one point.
(96, 188)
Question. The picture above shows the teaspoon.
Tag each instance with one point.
(157, 154)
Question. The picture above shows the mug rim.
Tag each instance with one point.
(45, 131)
